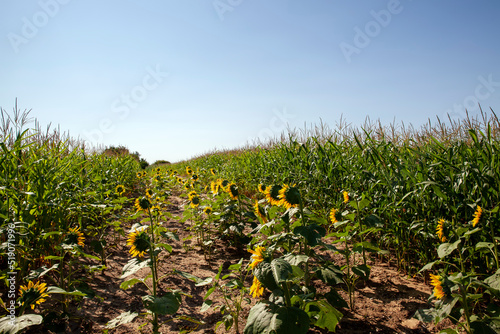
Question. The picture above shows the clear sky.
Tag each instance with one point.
(174, 79)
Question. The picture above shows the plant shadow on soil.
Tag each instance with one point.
(384, 304)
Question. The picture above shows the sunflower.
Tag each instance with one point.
(207, 210)
(155, 210)
(32, 294)
(157, 178)
(272, 194)
(179, 179)
(139, 175)
(257, 256)
(189, 171)
(289, 196)
(139, 242)
(149, 193)
(439, 230)
(333, 215)
(142, 204)
(259, 212)
(223, 184)
(120, 190)
(232, 190)
(346, 196)
(195, 201)
(194, 177)
(212, 171)
(157, 170)
(477, 216)
(262, 188)
(187, 185)
(75, 237)
(214, 186)
(192, 194)
(256, 290)
(438, 288)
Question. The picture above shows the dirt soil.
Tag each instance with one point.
(384, 304)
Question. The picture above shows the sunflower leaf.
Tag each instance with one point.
(446, 249)
(133, 266)
(166, 304)
(11, 327)
(123, 318)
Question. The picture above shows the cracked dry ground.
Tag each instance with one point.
(384, 304)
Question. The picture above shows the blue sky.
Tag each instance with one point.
(175, 79)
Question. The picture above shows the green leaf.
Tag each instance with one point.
(167, 247)
(264, 274)
(124, 318)
(327, 317)
(494, 281)
(427, 315)
(188, 276)
(331, 274)
(130, 283)
(296, 260)
(206, 305)
(362, 270)
(281, 269)
(57, 290)
(428, 266)
(133, 266)
(21, 322)
(312, 233)
(482, 244)
(166, 304)
(265, 318)
(446, 249)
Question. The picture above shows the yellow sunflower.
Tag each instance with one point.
(214, 186)
(120, 190)
(262, 188)
(207, 210)
(232, 190)
(189, 171)
(212, 171)
(256, 290)
(346, 196)
(477, 216)
(75, 237)
(259, 212)
(438, 288)
(223, 184)
(257, 256)
(194, 201)
(139, 242)
(192, 194)
(32, 294)
(439, 230)
(333, 215)
(289, 196)
(142, 204)
(272, 195)
(149, 193)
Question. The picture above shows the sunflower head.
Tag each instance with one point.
(142, 204)
(187, 185)
(273, 193)
(189, 170)
(157, 170)
(194, 177)
(179, 179)
(232, 190)
(214, 186)
(139, 243)
(257, 256)
(139, 175)
(256, 290)
(32, 294)
(440, 230)
(155, 210)
(194, 201)
(262, 188)
(477, 216)
(212, 171)
(192, 194)
(207, 210)
(223, 183)
(259, 212)
(438, 287)
(346, 196)
(289, 196)
(149, 193)
(333, 215)
(75, 237)
(120, 190)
